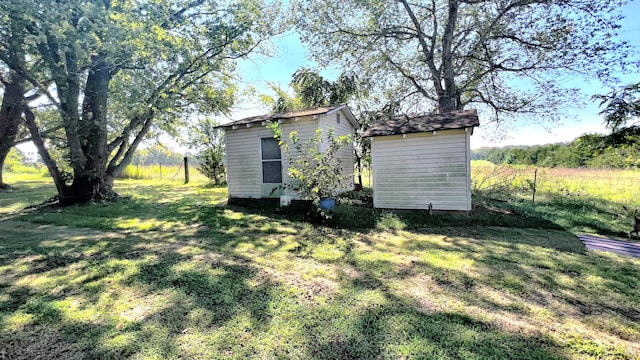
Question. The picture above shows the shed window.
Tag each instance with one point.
(270, 149)
(271, 172)
(338, 118)
(271, 161)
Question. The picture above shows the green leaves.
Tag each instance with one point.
(125, 68)
(620, 106)
(312, 90)
(508, 57)
(314, 167)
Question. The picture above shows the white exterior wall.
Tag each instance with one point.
(306, 128)
(244, 160)
(244, 169)
(412, 171)
(346, 153)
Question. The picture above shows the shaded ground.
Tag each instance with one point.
(172, 272)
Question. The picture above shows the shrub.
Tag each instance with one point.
(362, 198)
(211, 164)
(353, 217)
(316, 172)
(390, 221)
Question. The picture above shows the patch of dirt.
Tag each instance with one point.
(498, 210)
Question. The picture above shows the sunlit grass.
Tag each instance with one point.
(172, 173)
(580, 200)
(27, 189)
(170, 272)
(619, 186)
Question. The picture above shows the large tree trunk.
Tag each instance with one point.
(10, 117)
(13, 98)
(85, 189)
(448, 98)
(90, 179)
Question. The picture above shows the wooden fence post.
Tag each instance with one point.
(186, 170)
(535, 180)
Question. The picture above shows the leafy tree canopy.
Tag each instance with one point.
(508, 56)
(622, 114)
(208, 141)
(116, 70)
(312, 90)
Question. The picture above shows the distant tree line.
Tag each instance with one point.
(587, 151)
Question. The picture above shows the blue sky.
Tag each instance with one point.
(291, 55)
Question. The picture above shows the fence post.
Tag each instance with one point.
(535, 180)
(186, 170)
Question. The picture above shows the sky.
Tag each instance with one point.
(292, 55)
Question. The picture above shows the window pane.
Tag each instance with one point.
(272, 172)
(270, 149)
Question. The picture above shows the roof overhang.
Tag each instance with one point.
(352, 119)
(399, 125)
(291, 115)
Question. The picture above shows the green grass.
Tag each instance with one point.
(169, 173)
(577, 200)
(29, 189)
(170, 271)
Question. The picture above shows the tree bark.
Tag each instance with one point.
(359, 168)
(10, 117)
(54, 171)
(90, 180)
(448, 98)
(13, 99)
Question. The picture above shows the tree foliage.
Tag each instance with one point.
(312, 90)
(157, 154)
(208, 141)
(509, 56)
(622, 115)
(13, 89)
(119, 69)
(314, 167)
(587, 151)
(212, 165)
(621, 107)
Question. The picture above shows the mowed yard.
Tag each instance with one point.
(172, 272)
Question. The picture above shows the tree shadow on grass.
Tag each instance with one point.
(219, 287)
(386, 325)
(203, 285)
(439, 335)
(562, 281)
(580, 213)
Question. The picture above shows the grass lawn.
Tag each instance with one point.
(171, 272)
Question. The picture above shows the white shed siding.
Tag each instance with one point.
(244, 169)
(411, 172)
(346, 153)
(306, 128)
(244, 163)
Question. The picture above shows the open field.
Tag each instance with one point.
(170, 271)
(579, 200)
(163, 173)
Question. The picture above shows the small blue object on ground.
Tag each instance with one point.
(327, 204)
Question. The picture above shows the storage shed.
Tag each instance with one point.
(255, 163)
(422, 160)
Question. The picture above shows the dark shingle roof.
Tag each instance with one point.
(287, 115)
(432, 122)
